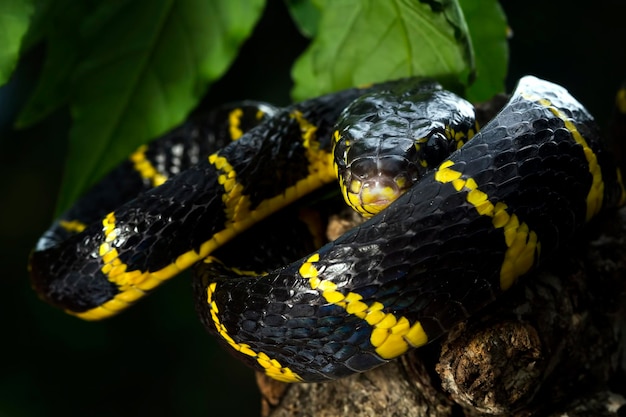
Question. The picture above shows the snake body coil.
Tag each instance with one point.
(464, 232)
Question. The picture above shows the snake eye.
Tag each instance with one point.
(437, 148)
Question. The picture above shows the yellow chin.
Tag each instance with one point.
(370, 200)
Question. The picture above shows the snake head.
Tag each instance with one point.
(386, 140)
(370, 182)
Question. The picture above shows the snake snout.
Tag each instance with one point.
(374, 183)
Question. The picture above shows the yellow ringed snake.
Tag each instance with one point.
(474, 215)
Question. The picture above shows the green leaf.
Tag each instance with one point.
(488, 29)
(14, 21)
(306, 16)
(363, 41)
(148, 64)
(53, 85)
(40, 22)
(58, 24)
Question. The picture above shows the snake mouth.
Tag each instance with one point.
(371, 196)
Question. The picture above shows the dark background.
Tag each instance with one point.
(156, 359)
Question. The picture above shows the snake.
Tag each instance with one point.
(455, 216)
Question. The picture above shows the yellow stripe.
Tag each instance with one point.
(320, 161)
(234, 124)
(237, 204)
(145, 168)
(596, 191)
(391, 335)
(271, 366)
(74, 226)
(523, 247)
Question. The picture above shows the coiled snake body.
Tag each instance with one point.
(469, 226)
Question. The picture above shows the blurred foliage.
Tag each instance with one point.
(156, 359)
(14, 20)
